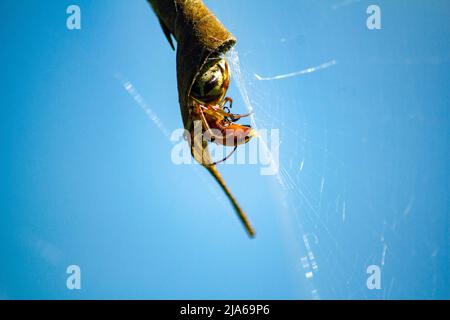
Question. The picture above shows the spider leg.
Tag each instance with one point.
(206, 125)
(224, 102)
(224, 159)
(213, 113)
(236, 117)
(232, 116)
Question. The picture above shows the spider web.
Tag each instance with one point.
(305, 212)
(293, 198)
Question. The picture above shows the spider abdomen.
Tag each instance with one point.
(211, 85)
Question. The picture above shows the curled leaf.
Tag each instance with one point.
(200, 38)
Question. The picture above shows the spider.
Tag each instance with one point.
(213, 109)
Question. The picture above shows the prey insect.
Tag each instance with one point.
(212, 108)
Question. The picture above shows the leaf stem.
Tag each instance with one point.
(241, 214)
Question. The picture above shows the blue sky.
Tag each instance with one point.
(87, 176)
